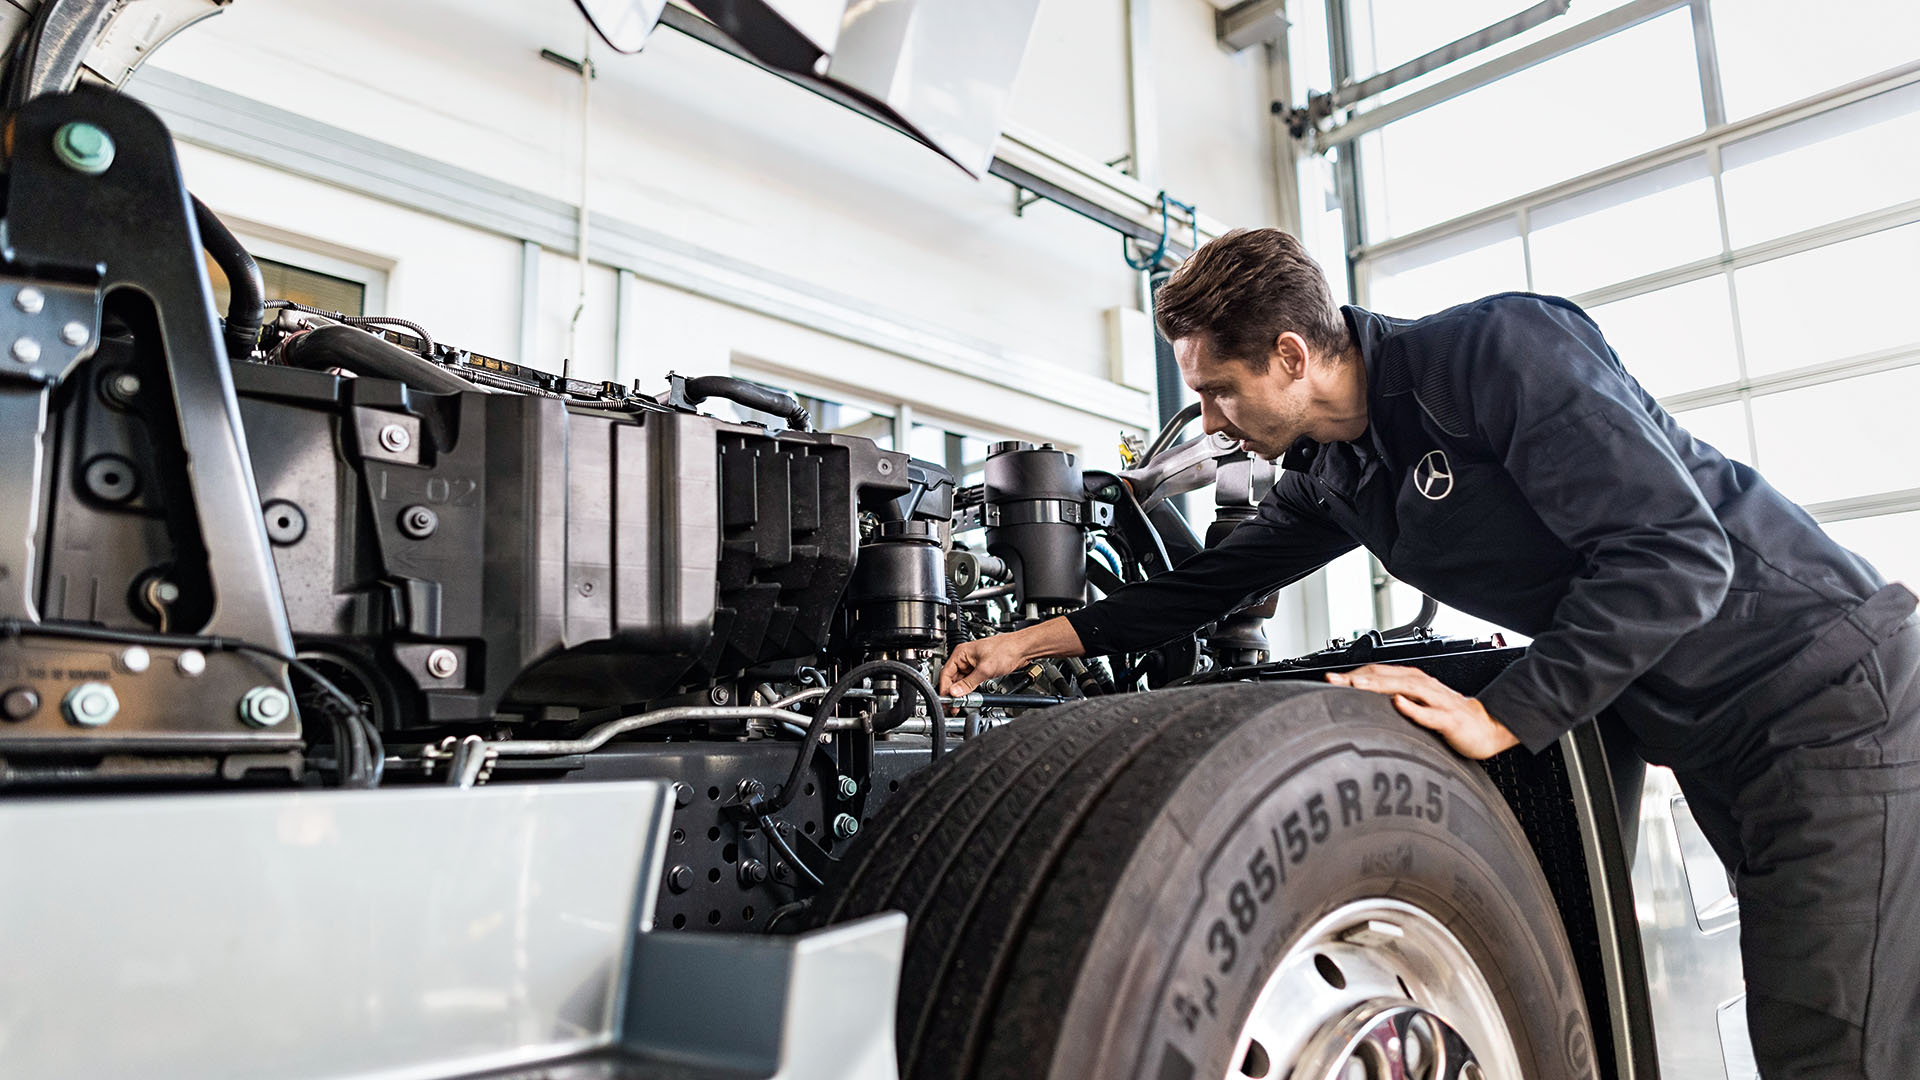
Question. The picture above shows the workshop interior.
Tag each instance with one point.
(492, 487)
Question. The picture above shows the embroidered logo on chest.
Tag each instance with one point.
(1433, 477)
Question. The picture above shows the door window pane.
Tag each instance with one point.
(1850, 161)
(1659, 219)
(1841, 440)
(1890, 542)
(1676, 339)
(1777, 51)
(1559, 119)
(1842, 300)
(1723, 427)
(1449, 271)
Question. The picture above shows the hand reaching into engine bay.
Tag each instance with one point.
(1434, 705)
(976, 662)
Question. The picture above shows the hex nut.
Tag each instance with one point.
(265, 706)
(442, 663)
(418, 522)
(846, 826)
(752, 872)
(849, 787)
(394, 438)
(83, 147)
(90, 704)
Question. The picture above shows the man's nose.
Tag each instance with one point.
(1212, 420)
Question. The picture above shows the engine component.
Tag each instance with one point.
(1035, 507)
(899, 594)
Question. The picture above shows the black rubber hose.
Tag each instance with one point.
(362, 353)
(762, 807)
(758, 398)
(1169, 434)
(246, 289)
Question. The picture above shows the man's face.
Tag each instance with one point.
(1268, 411)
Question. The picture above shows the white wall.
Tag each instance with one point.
(713, 153)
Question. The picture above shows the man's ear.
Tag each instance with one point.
(1290, 353)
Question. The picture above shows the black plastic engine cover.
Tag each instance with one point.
(567, 555)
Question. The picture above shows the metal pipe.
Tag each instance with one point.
(600, 736)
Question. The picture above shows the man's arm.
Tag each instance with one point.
(1548, 396)
(1286, 541)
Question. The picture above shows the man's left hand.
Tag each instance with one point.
(1434, 705)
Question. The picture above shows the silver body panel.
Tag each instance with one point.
(1690, 936)
(397, 933)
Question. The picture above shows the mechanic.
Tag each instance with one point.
(1498, 457)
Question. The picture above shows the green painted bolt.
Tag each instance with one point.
(83, 147)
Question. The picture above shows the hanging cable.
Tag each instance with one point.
(1160, 248)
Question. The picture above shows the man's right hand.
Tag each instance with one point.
(975, 662)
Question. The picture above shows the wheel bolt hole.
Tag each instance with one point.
(1329, 971)
(1257, 1063)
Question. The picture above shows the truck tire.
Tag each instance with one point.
(1281, 880)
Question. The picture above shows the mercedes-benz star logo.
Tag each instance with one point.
(1434, 476)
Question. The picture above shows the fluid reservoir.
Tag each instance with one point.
(1035, 511)
(899, 591)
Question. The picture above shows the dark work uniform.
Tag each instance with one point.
(1513, 469)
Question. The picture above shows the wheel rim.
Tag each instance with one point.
(1376, 990)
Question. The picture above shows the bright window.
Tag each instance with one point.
(1567, 116)
(1462, 267)
(1773, 52)
(1675, 339)
(1654, 221)
(1891, 543)
(1842, 300)
(1854, 160)
(1842, 440)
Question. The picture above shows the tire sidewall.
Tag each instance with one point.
(1312, 804)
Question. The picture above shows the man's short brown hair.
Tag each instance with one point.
(1246, 288)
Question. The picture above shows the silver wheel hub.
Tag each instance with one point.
(1376, 990)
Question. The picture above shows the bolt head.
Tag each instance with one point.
(30, 300)
(25, 350)
(166, 592)
(19, 703)
(75, 334)
(395, 439)
(849, 787)
(265, 706)
(680, 878)
(126, 384)
(190, 663)
(83, 147)
(442, 663)
(90, 705)
(136, 659)
(719, 695)
(418, 522)
(845, 826)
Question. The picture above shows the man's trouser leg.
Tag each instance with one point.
(1829, 875)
